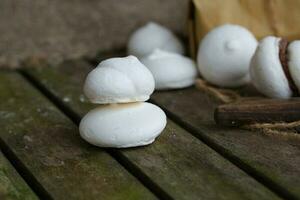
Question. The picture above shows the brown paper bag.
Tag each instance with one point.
(262, 17)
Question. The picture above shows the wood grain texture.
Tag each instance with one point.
(48, 146)
(274, 159)
(12, 186)
(253, 110)
(177, 162)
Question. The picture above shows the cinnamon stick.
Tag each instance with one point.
(254, 110)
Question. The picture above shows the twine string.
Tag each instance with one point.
(223, 95)
(228, 96)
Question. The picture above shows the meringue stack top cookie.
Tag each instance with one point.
(119, 80)
(123, 120)
(170, 70)
(153, 36)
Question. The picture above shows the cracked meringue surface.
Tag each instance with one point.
(119, 80)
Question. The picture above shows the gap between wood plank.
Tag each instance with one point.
(140, 175)
(281, 192)
(127, 164)
(261, 178)
(27, 176)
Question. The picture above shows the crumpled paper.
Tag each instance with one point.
(261, 17)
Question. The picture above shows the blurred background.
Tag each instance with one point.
(57, 30)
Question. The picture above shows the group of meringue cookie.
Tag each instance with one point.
(121, 85)
(230, 56)
(162, 53)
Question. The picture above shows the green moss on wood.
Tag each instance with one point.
(12, 186)
(48, 144)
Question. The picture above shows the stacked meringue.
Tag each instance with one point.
(123, 119)
(161, 51)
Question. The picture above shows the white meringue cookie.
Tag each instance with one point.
(266, 70)
(224, 55)
(294, 61)
(119, 80)
(123, 125)
(153, 36)
(170, 70)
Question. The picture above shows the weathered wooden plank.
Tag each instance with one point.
(273, 159)
(181, 165)
(48, 145)
(12, 186)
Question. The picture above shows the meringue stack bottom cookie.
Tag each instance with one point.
(123, 125)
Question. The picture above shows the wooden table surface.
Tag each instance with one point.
(43, 157)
